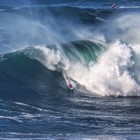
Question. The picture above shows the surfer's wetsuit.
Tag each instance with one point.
(70, 85)
(113, 6)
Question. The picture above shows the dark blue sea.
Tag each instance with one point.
(45, 45)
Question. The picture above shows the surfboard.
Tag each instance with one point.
(70, 88)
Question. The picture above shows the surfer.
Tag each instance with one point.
(113, 6)
(68, 81)
(70, 86)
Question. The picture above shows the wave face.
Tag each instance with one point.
(44, 46)
(60, 58)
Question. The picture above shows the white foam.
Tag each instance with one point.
(111, 75)
(52, 59)
(22, 104)
(15, 118)
(130, 7)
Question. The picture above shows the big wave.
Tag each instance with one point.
(90, 66)
(105, 60)
(114, 71)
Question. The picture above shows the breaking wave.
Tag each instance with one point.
(88, 65)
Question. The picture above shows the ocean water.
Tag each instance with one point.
(47, 44)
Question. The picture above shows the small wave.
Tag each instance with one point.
(129, 7)
(100, 19)
(23, 104)
(11, 118)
